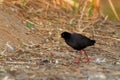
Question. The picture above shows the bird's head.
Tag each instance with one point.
(65, 35)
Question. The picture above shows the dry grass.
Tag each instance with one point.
(50, 58)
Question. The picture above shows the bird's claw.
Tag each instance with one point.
(88, 59)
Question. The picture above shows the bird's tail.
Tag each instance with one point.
(92, 42)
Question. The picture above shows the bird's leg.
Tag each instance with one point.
(78, 59)
(87, 58)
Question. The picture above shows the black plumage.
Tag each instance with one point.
(77, 41)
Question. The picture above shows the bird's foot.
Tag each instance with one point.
(77, 61)
(88, 59)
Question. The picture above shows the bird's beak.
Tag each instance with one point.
(59, 36)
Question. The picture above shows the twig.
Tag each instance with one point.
(105, 19)
(85, 5)
(107, 37)
(3, 52)
(109, 51)
(113, 9)
(93, 30)
(20, 62)
(82, 13)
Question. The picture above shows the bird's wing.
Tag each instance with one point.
(81, 40)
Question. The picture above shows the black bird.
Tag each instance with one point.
(78, 42)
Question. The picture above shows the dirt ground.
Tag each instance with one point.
(39, 53)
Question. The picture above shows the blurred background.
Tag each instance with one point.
(31, 47)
